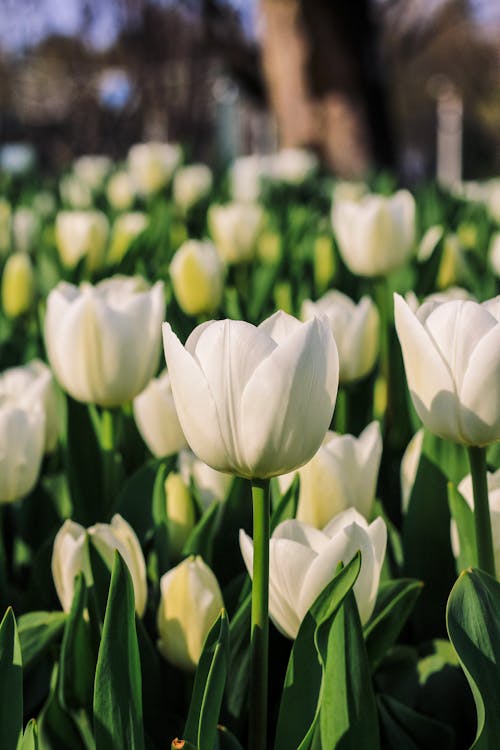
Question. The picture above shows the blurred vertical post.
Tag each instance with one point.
(449, 137)
(227, 119)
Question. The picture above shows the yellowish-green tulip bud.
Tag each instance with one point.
(197, 275)
(467, 235)
(17, 285)
(5, 225)
(120, 191)
(180, 512)
(283, 296)
(380, 397)
(125, 229)
(191, 184)
(191, 601)
(269, 247)
(324, 263)
(453, 264)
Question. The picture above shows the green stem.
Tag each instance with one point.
(381, 299)
(108, 457)
(341, 416)
(259, 643)
(484, 536)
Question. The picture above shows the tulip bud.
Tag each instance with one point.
(125, 229)
(409, 467)
(355, 328)
(191, 184)
(75, 193)
(376, 234)
(294, 165)
(180, 512)
(269, 247)
(246, 176)
(345, 190)
(453, 266)
(25, 227)
(17, 285)
(5, 225)
(191, 601)
(156, 418)
(70, 555)
(22, 432)
(494, 254)
(324, 263)
(92, 169)
(210, 484)
(151, 165)
(120, 191)
(103, 341)
(81, 234)
(235, 228)
(197, 275)
(303, 560)
(282, 295)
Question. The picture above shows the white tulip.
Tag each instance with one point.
(246, 176)
(120, 191)
(18, 282)
(342, 474)
(429, 242)
(156, 418)
(235, 228)
(355, 328)
(409, 467)
(125, 229)
(191, 601)
(191, 184)
(152, 165)
(103, 342)
(197, 274)
(75, 193)
(376, 234)
(81, 234)
(210, 484)
(466, 490)
(25, 227)
(92, 169)
(294, 165)
(254, 401)
(33, 385)
(303, 561)
(70, 556)
(22, 433)
(451, 353)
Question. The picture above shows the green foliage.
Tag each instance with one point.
(11, 683)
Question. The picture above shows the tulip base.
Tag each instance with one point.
(482, 520)
(259, 643)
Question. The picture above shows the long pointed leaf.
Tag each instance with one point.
(11, 683)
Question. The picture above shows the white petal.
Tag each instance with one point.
(480, 393)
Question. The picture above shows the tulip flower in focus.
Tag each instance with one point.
(235, 228)
(17, 285)
(342, 474)
(191, 184)
(125, 229)
(465, 489)
(376, 234)
(303, 560)
(103, 342)
(151, 165)
(191, 601)
(451, 353)
(32, 385)
(70, 556)
(81, 234)
(254, 401)
(355, 328)
(180, 512)
(197, 275)
(156, 417)
(22, 436)
(210, 484)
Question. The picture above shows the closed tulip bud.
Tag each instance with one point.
(355, 328)
(246, 176)
(451, 353)
(270, 247)
(156, 418)
(254, 401)
(342, 474)
(191, 601)
(81, 234)
(92, 169)
(235, 228)
(120, 191)
(191, 184)
(180, 512)
(453, 266)
(70, 556)
(429, 242)
(303, 561)
(75, 193)
(125, 229)
(465, 489)
(282, 295)
(409, 467)
(375, 235)
(346, 190)
(103, 341)
(210, 484)
(25, 227)
(5, 225)
(22, 433)
(324, 263)
(197, 275)
(294, 165)
(32, 385)
(17, 285)
(151, 165)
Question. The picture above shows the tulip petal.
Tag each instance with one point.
(480, 393)
(288, 402)
(279, 326)
(194, 403)
(429, 379)
(302, 533)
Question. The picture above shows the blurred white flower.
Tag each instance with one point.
(152, 165)
(294, 165)
(92, 169)
(197, 274)
(81, 234)
(235, 228)
(156, 417)
(191, 184)
(120, 191)
(125, 229)
(210, 484)
(409, 467)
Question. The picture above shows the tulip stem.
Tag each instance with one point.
(259, 643)
(108, 457)
(484, 536)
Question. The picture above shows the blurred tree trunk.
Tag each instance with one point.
(322, 72)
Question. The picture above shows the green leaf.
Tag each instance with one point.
(117, 691)
(159, 514)
(463, 516)
(394, 604)
(11, 683)
(227, 740)
(84, 465)
(37, 632)
(235, 513)
(348, 714)
(406, 729)
(30, 737)
(300, 700)
(134, 502)
(239, 658)
(57, 730)
(472, 618)
(209, 684)
(286, 508)
(200, 540)
(77, 663)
